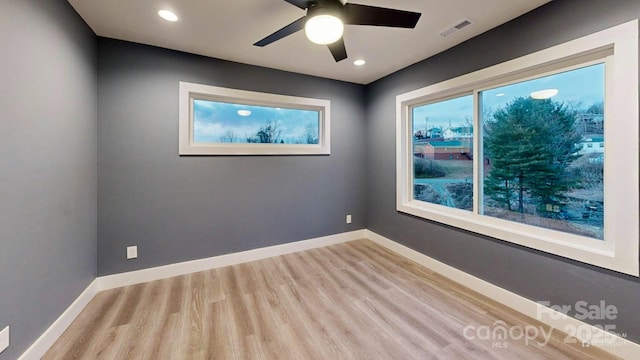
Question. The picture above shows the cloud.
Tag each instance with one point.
(201, 129)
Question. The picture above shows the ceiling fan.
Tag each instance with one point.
(325, 20)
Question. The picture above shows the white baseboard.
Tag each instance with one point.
(51, 335)
(613, 344)
(187, 267)
(589, 334)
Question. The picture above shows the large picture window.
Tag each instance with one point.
(541, 151)
(221, 121)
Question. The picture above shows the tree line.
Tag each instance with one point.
(271, 133)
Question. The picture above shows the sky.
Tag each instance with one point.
(213, 120)
(583, 86)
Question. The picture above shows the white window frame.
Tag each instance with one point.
(617, 47)
(191, 91)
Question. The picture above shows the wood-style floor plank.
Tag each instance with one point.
(355, 300)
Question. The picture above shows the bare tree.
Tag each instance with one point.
(270, 133)
(228, 137)
(487, 114)
(311, 134)
(589, 170)
(574, 105)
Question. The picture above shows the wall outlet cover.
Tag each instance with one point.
(349, 219)
(132, 252)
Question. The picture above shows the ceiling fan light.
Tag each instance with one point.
(544, 94)
(324, 29)
(168, 15)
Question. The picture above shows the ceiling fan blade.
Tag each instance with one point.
(284, 32)
(302, 4)
(355, 14)
(338, 50)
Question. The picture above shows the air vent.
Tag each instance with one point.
(463, 25)
(459, 25)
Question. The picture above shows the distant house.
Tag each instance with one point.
(458, 133)
(434, 133)
(590, 123)
(590, 145)
(448, 150)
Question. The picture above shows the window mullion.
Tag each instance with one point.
(478, 157)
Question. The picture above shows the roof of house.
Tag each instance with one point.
(461, 129)
(450, 144)
(593, 139)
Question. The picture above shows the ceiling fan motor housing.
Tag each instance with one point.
(325, 7)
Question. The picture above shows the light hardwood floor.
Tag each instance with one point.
(355, 300)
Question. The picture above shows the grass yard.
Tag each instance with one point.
(455, 169)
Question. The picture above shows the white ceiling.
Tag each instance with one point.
(227, 29)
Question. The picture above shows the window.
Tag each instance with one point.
(220, 121)
(443, 152)
(509, 152)
(535, 169)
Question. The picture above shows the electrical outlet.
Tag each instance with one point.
(4, 339)
(349, 219)
(132, 252)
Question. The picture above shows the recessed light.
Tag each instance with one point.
(168, 15)
(244, 112)
(359, 62)
(544, 94)
(501, 94)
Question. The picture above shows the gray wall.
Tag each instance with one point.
(54, 208)
(535, 275)
(48, 181)
(182, 208)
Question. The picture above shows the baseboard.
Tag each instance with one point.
(592, 335)
(166, 271)
(613, 344)
(51, 335)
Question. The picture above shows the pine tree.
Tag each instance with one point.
(530, 144)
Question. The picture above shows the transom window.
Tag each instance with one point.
(221, 121)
